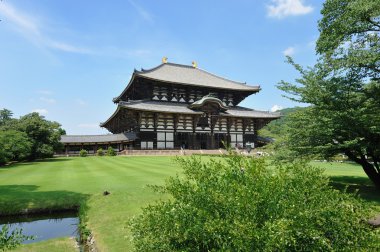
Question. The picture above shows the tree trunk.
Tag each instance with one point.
(369, 169)
(372, 173)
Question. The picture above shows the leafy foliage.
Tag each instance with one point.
(349, 36)
(5, 116)
(111, 151)
(10, 240)
(83, 153)
(14, 146)
(100, 152)
(343, 88)
(239, 204)
(43, 135)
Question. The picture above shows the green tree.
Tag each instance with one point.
(45, 135)
(349, 36)
(14, 146)
(240, 204)
(5, 116)
(343, 88)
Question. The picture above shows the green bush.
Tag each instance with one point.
(83, 153)
(100, 152)
(240, 204)
(111, 151)
(10, 240)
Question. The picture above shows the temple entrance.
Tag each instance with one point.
(182, 140)
(202, 140)
(220, 140)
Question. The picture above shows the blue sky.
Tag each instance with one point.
(68, 59)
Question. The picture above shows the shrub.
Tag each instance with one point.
(100, 152)
(239, 204)
(111, 151)
(83, 153)
(10, 240)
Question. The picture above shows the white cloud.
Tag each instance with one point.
(89, 125)
(284, 8)
(289, 51)
(41, 111)
(142, 12)
(31, 29)
(47, 100)
(276, 107)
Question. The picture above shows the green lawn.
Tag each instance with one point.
(66, 182)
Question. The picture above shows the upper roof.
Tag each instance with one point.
(185, 74)
(128, 136)
(189, 75)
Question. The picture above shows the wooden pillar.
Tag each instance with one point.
(194, 124)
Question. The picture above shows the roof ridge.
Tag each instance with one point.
(224, 78)
(109, 134)
(195, 68)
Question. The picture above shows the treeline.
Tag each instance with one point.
(28, 138)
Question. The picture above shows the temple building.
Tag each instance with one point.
(173, 106)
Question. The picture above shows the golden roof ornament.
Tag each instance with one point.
(194, 63)
(164, 60)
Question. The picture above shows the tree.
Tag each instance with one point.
(240, 204)
(45, 135)
(14, 146)
(349, 36)
(5, 115)
(343, 88)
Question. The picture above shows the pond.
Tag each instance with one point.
(46, 226)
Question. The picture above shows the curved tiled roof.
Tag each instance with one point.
(205, 99)
(129, 136)
(189, 75)
(169, 107)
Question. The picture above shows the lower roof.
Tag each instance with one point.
(109, 138)
(183, 108)
(169, 107)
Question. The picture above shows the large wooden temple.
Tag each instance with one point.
(176, 106)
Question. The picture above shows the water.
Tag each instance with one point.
(44, 227)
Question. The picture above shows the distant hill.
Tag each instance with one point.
(277, 128)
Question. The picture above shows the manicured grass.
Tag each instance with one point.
(66, 182)
(66, 244)
(353, 177)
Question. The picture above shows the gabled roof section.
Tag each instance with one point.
(189, 75)
(128, 136)
(208, 99)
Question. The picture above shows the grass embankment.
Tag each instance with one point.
(66, 182)
(66, 244)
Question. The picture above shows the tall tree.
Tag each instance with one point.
(343, 88)
(14, 146)
(5, 116)
(44, 135)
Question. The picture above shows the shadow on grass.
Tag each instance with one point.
(362, 185)
(17, 199)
